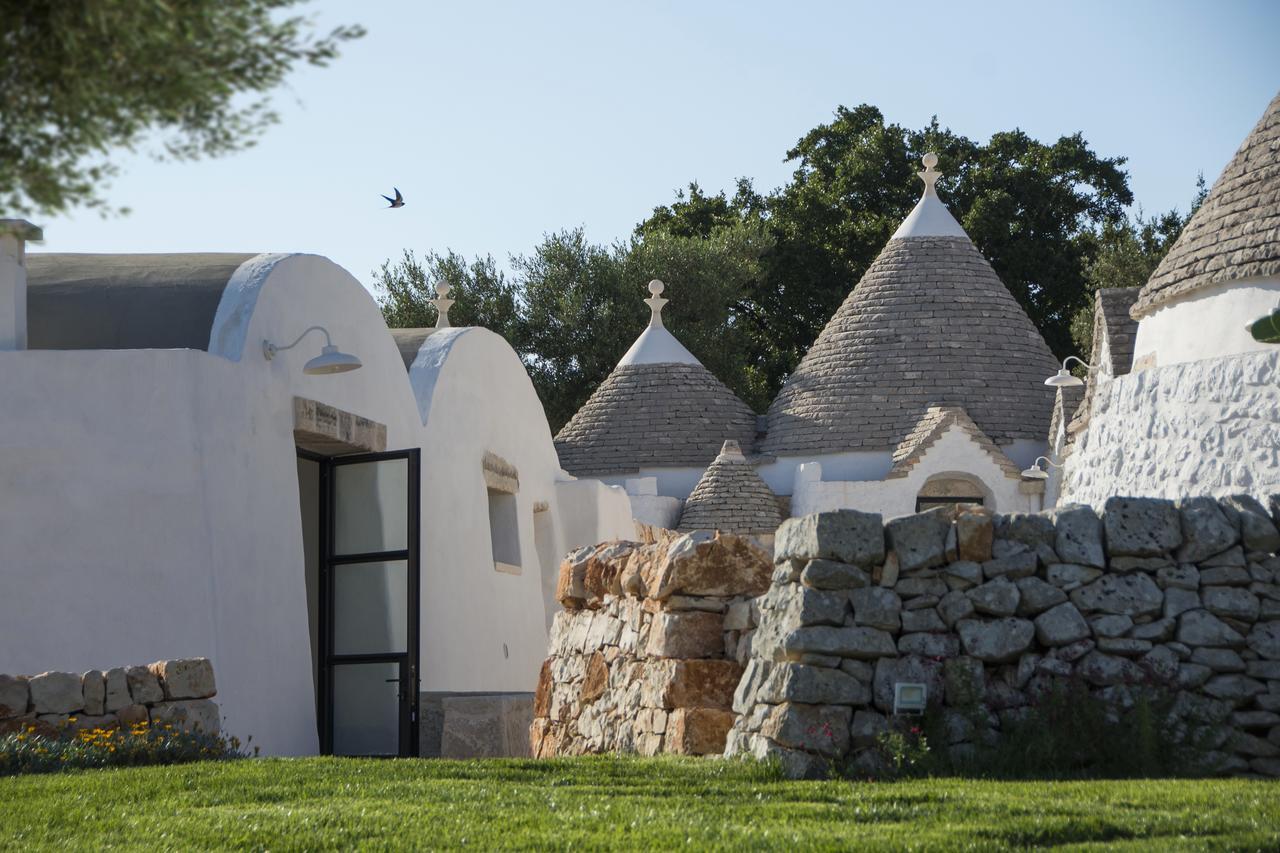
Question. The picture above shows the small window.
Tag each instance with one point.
(504, 531)
(949, 491)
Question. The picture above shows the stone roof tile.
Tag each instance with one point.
(731, 497)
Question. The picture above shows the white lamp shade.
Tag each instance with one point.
(330, 360)
(1063, 379)
(1036, 473)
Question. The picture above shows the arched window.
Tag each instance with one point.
(950, 490)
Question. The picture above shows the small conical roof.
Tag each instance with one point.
(930, 323)
(659, 408)
(1236, 232)
(731, 497)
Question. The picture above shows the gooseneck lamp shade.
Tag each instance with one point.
(1035, 472)
(1063, 378)
(330, 359)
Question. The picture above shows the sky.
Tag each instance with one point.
(501, 122)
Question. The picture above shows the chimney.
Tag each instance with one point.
(14, 234)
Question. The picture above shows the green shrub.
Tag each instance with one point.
(31, 751)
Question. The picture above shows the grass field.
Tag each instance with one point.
(619, 803)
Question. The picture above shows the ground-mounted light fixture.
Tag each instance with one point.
(1035, 472)
(909, 697)
(330, 359)
(1063, 378)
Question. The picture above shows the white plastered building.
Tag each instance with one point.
(1199, 412)
(368, 557)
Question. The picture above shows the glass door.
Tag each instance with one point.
(370, 604)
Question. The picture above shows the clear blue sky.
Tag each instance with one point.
(502, 121)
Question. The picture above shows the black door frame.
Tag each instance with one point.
(409, 669)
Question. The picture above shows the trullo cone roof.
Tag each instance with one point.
(731, 498)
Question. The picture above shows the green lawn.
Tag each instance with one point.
(621, 803)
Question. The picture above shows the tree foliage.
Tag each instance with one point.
(84, 77)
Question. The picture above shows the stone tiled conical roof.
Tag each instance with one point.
(930, 323)
(658, 408)
(1236, 232)
(731, 498)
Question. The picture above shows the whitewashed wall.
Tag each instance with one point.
(953, 454)
(149, 500)
(1208, 323)
(1200, 427)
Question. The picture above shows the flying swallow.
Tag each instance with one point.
(398, 201)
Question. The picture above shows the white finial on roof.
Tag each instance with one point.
(443, 303)
(655, 302)
(930, 217)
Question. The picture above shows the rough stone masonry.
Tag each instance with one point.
(173, 692)
(989, 610)
(647, 653)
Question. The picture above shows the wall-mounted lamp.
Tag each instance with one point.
(330, 359)
(1035, 472)
(909, 698)
(1063, 378)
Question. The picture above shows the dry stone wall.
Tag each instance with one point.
(174, 692)
(991, 611)
(647, 653)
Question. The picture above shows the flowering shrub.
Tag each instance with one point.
(30, 751)
(905, 749)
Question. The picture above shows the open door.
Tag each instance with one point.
(369, 604)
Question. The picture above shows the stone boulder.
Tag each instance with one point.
(797, 605)
(998, 597)
(1037, 596)
(1264, 640)
(1078, 537)
(117, 690)
(56, 693)
(876, 607)
(996, 641)
(1257, 529)
(1202, 628)
(821, 729)
(14, 696)
(1141, 527)
(1231, 602)
(185, 678)
(673, 684)
(832, 575)
(846, 535)
(1205, 529)
(1129, 595)
(920, 540)
(810, 685)
(690, 634)
(712, 564)
(188, 715)
(1061, 625)
(698, 731)
(95, 693)
(975, 531)
(858, 643)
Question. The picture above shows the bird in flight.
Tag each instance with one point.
(398, 201)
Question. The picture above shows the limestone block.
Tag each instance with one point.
(1161, 662)
(95, 693)
(739, 617)
(919, 540)
(1061, 625)
(596, 680)
(829, 574)
(996, 641)
(929, 645)
(962, 574)
(876, 607)
(1234, 689)
(1230, 602)
(1202, 628)
(820, 729)
(691, 683)
(131, 715)
(1124, 646)
(811, 685)
(858, 642)
(795, 763)
(1232, 558)
(801, 605)
(1219, 660)
(974, 535)
(917, 586)
(697, 731)
(56, 693)
(1070, 575)
(1158, 631)
(1264, 639)
(188, 715)
(1103, 669)
(1139, 564)
(14, 696)
(998, 597)
(1224, 575)
(185, 678)
(1257, 529)
(925, 620)
(1128, 595)
(1141, 527)
(144, 687)
(1019, 564)
(686, 635)
(1182, 576)
(712, 564)
(955, 606)
(1111, 626)
(847, 536)
(1205, 529)
(571, 587)
(913, 669)
(1078, 537)
(1178, 601)
(1037, 596)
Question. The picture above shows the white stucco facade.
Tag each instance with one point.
(1207, 427)
(954, 455)
(1208, 323)
(149, 500)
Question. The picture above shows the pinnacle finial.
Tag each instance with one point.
(443, 303)
(930, 175)
(655, 302)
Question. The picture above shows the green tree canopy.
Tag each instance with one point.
(83, 77)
